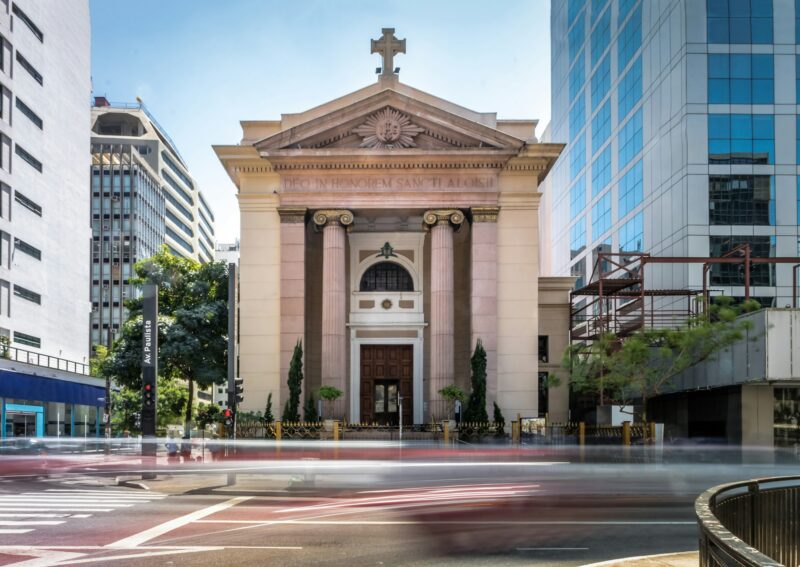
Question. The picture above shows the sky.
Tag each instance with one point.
(201, 66)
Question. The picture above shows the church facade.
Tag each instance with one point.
(389, 231)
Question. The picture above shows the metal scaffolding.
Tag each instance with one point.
(617, 299)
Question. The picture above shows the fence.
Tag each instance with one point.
(537, 431)
(750, 524)
(43, 360)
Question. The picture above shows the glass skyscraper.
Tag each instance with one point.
(681, 124)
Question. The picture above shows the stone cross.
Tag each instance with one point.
(388, 46)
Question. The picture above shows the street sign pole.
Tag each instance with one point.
(231, 432)
(149, 375)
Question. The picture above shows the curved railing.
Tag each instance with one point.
(755, 523)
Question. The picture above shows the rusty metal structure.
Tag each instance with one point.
(617, 299)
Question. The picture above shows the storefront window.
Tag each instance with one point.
(787, 417)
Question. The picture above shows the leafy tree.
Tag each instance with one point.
(268, 417)
(208, 414)
(451, 393)
(310, 410)
(126, 405)
(641, 365)
(192, 325)
(98, 361)
(476, 407)
(291, 411)
(330, 394)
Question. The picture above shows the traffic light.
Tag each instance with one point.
(148, 395)
(228, 417)
(238, 391)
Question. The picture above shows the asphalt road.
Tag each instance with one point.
(491, 511)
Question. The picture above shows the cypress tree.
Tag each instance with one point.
(291, 411)
(476, 407)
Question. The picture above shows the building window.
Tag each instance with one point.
(25, 64)
(577, 157)
(578, 271)
(26, 248)
(601, 216)
(577, 116)
(631, 189)
(601, 171)
(543, 381)
(174, 184)
(25, 293)
(577, 76)
(28, 158)
(174, 235)
(183, 226)
(577, 237)
(573, 9)
(27, 203)
(741, 138)
(741, 200)
(577, 197)
(597, 7)
(32, 116)
(733, 274)
(630, 89)
(740, 78)
(386, 276)
(601, 127)
(601, 36)
(576, 35)
(175, 203)
(27, 340)
(544, 348)
(601, 81)
(631, 235)
(630, 139)
(629, 40)
(624, 9)
(174, 167)
(28, 22)
(739, 21)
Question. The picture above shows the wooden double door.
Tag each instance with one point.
(387, 373)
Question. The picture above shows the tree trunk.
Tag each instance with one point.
(187, 423)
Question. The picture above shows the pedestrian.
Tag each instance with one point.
(172, 449)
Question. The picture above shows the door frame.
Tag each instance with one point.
(38, 411)
(355, 373)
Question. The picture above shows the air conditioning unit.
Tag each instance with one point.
(106, 227)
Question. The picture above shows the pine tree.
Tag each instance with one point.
(499, 420)
(476, 407)
(291, 411)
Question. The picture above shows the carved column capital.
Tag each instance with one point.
(443, 216)
(292, 214)
(484, 214)
(341, 217)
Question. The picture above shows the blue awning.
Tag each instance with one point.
(20, 386)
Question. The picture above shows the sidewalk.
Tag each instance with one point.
(685, 559)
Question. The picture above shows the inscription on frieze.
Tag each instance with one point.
(388, 183)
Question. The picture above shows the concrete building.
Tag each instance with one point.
(45, 236)
(390, 229)
(142, 197)
(681, 122)
(227, 252)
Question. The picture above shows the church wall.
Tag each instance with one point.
(554, 309)
(517, 295)
(259, 314)
(462, 305)
(313, 360)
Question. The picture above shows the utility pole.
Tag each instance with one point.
(149, 375)
(230, 423)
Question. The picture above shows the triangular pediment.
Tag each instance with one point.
(387, 121)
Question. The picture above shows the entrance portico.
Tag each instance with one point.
(389, 230)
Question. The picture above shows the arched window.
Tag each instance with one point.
(386, 276)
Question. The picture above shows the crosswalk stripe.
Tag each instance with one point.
(54, 509)
(81, 491)
(2, 531)
(31, 523)
(33, 515)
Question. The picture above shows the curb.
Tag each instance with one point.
(659, 560)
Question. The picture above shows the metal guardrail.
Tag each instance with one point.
(755, 523)
(44, 360)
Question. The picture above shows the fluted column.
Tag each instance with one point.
(441, 317)
(334, 300)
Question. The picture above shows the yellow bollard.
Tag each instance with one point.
(278, 431)
(582, 433)
(335, 429)
(446, 430)
(515, 432)
(626, 433)
(651, 433)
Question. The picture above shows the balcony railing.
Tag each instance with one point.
(750, 524)
(43, 360)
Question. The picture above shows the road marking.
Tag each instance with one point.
(626, 560)
(81, 516)
(54, 509)
(31, 522)
(34, 515)
(154, 532)
(457, 522)
(4, 531)
(552, 548)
